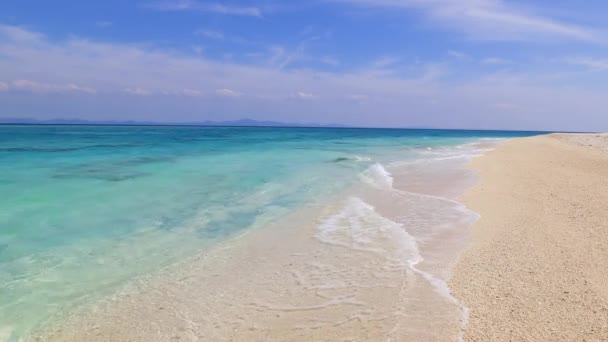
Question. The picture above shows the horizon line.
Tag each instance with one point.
(283, 125)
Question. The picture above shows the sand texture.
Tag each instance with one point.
(537, 269)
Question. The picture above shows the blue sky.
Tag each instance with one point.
(395, 63)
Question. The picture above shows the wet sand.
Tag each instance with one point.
(537, 269)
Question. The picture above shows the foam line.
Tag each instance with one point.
(347, 229)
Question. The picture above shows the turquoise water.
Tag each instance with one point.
(84, 209)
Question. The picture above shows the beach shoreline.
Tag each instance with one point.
(535, 270)
(370, 264)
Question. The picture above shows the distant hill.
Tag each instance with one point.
(233, 123)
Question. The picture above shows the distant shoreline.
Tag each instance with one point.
(278, 125)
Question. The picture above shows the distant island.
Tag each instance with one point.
(232, 123)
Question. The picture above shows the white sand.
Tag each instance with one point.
(538, 266)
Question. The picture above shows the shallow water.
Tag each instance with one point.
(85, 210)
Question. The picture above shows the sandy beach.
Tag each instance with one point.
(536, 270)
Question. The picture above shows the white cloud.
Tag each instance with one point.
(181, 92)
(329, 60)
(281, 57)
(198, 49)
(3, 86)
(227, 92)
(301, 95)
(191, 92)
(359, 98)
(138, 91)
(192, 5)
(384, 62)
(19, 34)
(597, 64)
(489, 19)
(495, 61)
(458, 55)
(417, 97)
(38, 87)
(104, 24)
(211, 34)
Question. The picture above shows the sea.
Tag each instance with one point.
(334, 233)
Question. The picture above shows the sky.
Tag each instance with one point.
(481, 64)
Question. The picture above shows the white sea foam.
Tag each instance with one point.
(335, 229)
(360, 227)
(377, 176)
(362, 159)
(5, 333)
(461, 153)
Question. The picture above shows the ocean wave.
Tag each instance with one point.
(353, 158)
(360, 227)
(463, 153)
(6, 333)
(377, 176)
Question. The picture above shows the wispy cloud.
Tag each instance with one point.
(359, 98)
(465, 57)
(458, 55)
(329, 60)
(104, 23)
(385, 62)
(281, 57)
(302, 95)
(489, 19)
(191, 92)
(424, 95)
(138, 91)
(597, 64)
(211, 34)
(40, 87)
(193, 5)
(227, 92)
(495, 61)
(19, 34)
